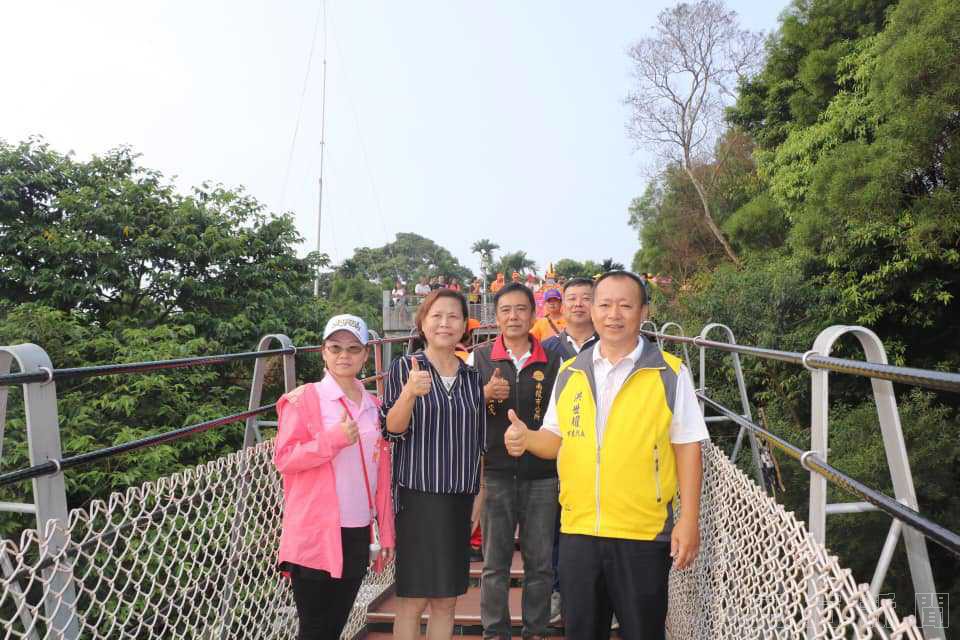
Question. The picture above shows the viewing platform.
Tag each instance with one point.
(398, 316)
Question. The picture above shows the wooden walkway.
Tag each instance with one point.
(467, 621)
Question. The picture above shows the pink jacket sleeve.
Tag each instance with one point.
(388, 536)
(296, 449)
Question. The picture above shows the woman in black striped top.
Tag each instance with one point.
(433, 410)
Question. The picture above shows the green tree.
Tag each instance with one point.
(611, 265)
(102, 261)
(871, 189)
(485, 248)
(674, 240)
(115, 242)
(353, 294)
(800, 75)
(851, 215)
(568, 268)
(684, 76)
(517, 261)
(407, 258)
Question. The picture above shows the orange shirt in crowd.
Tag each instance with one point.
(543, 328)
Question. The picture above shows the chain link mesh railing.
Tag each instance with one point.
(191, 555)
(760, 574)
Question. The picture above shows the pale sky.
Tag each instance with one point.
(455, 120)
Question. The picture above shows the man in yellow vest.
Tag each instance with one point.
(624, 418)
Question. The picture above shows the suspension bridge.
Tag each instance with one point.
(192, 554)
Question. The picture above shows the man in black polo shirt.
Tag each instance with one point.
(519, 376)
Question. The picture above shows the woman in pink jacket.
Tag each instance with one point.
(336, 484)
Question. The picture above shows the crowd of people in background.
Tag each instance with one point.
(549, 287)
(400, 293)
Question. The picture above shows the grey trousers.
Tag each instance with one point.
(531, 504)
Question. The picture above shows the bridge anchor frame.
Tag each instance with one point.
(744, 398)
(898, 464)
(49, 491)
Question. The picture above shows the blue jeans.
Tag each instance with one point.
(531, 504)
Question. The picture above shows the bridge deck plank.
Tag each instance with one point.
(467, 621)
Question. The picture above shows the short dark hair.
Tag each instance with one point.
(579, 281)
(617, 273)
(431, 298)
(513, 287)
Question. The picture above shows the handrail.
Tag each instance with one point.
(942, 380)
(55, 466)
(156, 365)
(472, 347)
(810, 461)
(136, 367)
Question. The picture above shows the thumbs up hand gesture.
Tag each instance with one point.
(419, 382)
(497, 388)
(515, 437)
(349, 426)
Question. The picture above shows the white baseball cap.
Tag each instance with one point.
(347, 322)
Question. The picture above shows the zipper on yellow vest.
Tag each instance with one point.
(656, 471)
(597, 487)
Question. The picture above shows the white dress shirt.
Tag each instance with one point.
(687, 424)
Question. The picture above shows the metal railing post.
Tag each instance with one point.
(49, 491)
(683, 345)
(897, 462)
(387, 311)
(251, 434)
(386, 357)
(744, 400)
(650, 325)
(378, 361)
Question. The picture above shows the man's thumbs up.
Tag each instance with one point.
(414, 364)
(498, 388)
(515, 437)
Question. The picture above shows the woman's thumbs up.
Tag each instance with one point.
(497, 388)
(419, 382)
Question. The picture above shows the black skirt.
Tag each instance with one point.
(433, 544)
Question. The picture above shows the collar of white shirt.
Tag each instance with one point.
(633, 356)
(577, 348)
(522, 360)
